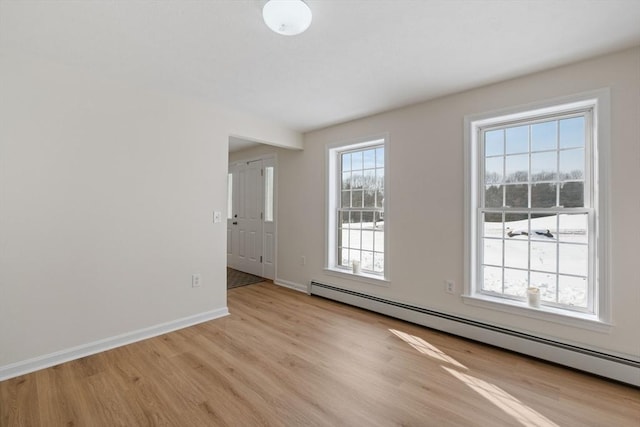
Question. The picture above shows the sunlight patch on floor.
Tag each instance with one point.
(425, 348)
(503, 400)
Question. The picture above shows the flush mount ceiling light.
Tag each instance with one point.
(287, 17)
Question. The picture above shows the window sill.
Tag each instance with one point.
(371, 279)
(551, 314)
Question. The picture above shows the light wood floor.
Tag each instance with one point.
(283, 358)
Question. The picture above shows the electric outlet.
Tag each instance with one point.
(196, 280)
(303, 260)
(449, 286)
(217, 216)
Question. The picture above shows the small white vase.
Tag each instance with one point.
(533, 297)
(355, 266)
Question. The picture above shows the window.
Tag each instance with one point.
(268, 193)
(356, 208)
(534, 208)
(229, 195)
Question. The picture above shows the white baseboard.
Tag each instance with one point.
(623, 368)
(30, 365)
(292, 285)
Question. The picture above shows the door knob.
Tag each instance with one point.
(235, 222)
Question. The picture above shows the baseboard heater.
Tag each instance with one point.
(599, 363)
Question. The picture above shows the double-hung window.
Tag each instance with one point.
(356, 206)
(535, 218)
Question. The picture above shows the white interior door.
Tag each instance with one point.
(245, 227)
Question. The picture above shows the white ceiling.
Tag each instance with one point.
(357, 58)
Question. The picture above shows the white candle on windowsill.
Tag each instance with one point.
(533, 297)
(355, 265)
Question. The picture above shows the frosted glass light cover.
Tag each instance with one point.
(287, 17)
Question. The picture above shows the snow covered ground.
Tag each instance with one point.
(369, 237)
(559, 263)
(557, 257)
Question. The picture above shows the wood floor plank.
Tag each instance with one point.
(15, 400)
(283, 358)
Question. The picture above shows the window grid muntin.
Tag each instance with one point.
(379, 165)
(588, 200)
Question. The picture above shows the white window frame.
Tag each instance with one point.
(599, 316)
(333, 194)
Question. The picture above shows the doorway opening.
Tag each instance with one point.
(251, 217)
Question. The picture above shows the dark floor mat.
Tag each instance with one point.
(237, 278)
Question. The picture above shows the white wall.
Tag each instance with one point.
(426, 197)
(106, 195)
(106, 200)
